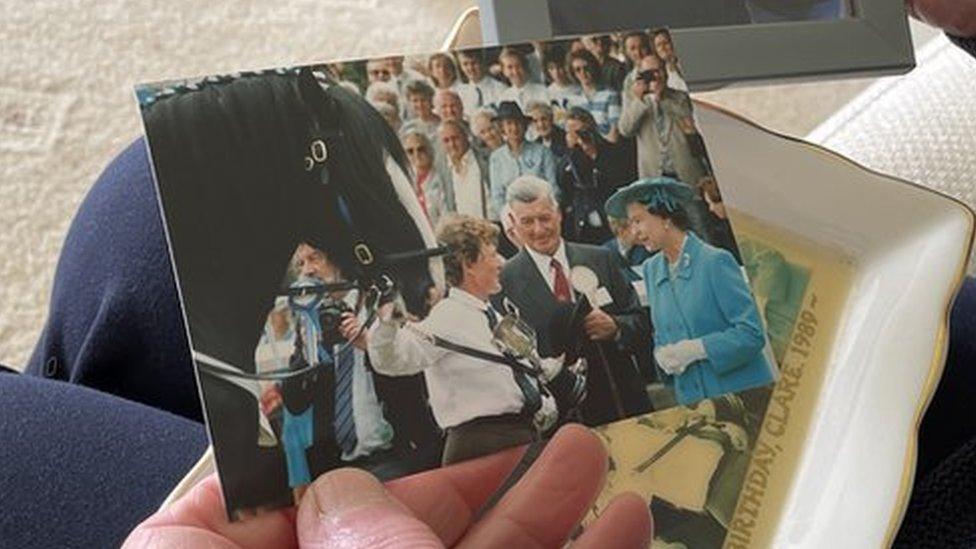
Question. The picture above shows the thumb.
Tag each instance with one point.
(350, 508)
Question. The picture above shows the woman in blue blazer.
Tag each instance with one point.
(708, 336)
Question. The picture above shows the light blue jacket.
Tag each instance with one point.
(535, 159)
(708, 300)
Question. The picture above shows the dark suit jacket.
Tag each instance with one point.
(635, 257)
(525, 287)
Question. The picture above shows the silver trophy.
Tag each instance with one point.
(514, 337)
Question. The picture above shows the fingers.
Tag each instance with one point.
(199, 519)
(547, 504)
(351, 508)
(626, 522)
(446, 499)
(954, 16)
(348, 325)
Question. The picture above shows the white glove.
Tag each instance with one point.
(551, 367)
(664, 356)
(675, 358)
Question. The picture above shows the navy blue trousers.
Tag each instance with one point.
(107, 418)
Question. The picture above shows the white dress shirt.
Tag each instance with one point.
(544, 264)
(373, 432)
(484, 93)
(461, 387)
(469, 193)
(526, 94)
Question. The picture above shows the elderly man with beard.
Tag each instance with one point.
(331, 416)
(538, 282)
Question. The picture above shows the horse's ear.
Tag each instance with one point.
(315, 97)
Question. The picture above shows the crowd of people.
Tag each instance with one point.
(549, 145)
(586, 115)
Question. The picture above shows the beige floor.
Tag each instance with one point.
(67, 68)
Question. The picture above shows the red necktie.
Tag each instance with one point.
(560, 286)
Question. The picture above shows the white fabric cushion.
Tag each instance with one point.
(920, 126)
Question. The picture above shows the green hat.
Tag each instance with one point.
(662, 193)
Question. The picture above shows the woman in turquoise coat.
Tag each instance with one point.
(708, 336)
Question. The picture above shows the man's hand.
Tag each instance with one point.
(600, 326)
(640, 88)
(270, 399)
(350, 508)
(956, 17)
(350, 328)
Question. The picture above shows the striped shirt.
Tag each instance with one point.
(604, 105)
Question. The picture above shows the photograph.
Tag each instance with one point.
(406, 262)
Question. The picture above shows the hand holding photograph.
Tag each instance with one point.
(401, 263)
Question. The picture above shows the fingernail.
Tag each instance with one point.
(344, 490)
(350, 508)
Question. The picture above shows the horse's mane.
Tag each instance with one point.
(230, 160)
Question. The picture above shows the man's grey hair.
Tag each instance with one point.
(385, 108)
(411, 130)
(529, 188)
(483, 113)
(440, 93)
(453, 124)
(374, 90)
(539, 106)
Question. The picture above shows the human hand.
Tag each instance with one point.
(350, 508)
(957, 17)
(664, 356)
(270, 399)
(676, 357)
(350, 328)
(599, 326)
(639, 88)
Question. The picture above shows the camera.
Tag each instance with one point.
(330, 316)
(648, 76)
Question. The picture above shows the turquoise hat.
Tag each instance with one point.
(662, 193)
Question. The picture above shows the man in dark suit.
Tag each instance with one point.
(538, 282)
(632, 254)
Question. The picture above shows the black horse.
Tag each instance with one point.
(246, 169)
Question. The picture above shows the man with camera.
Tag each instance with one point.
(661, 120)
(335, 399)
(576, 298)
(593, 169)
(484, 396)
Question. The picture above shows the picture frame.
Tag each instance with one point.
(873, 39)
